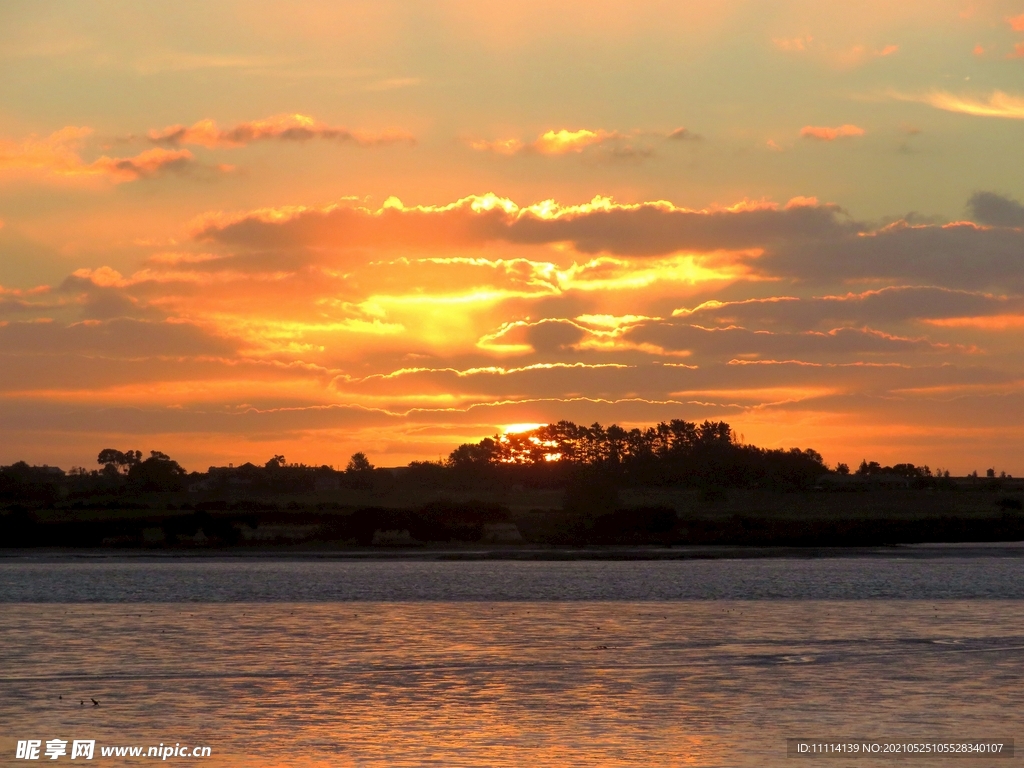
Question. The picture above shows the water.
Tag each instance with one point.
(709, 663)
(997, 576)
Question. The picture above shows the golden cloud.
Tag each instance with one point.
(892, 305)
(143, 165)
(550, 142)
(56, 157)
(998, 104)
(560, 142)
(339, 323)
(751, 239)
(564, 141)
(655, 228)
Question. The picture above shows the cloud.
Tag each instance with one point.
(118, 337)
(681, 339)
(544, 336)
(57, 157)
(1016, 23)
(181, 61)
(404, 330)
(293, 127)
(10, 306)
(498, 146)
(193, 422)
(999, 104)
(752, 240)
(484, 383)
(551, 142)
(985, 322)
(930, 254)
(577, 328)
(733, 341)
(843, 58)
(392, 83)
(996, 210)
(1018, 52)
(601, 226)
(143, 165)
(886, 306)
(684, 134)
(792, 43)
(752, 382)
(824, 133)
(563, 142)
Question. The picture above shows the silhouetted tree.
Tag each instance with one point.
(676, 451)
(901, 470)
(358, 463)
(474, 454)
(157, 473)
(115, 461)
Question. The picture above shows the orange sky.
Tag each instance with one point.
(236, 232)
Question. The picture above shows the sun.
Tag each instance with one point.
(513, 429)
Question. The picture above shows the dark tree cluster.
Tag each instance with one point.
(670, 452)
(900, 470)
(26, 484)
(117, 463)
(158, 473)
(152, 502)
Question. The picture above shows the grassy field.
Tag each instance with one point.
(897, 503)
(651, 515)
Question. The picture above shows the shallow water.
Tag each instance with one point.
(830, 578)
(540, 673)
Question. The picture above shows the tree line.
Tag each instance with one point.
(675, 451)
(562, 454)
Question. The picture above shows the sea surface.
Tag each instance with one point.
(497, 663)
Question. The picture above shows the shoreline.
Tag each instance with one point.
(1011, 549)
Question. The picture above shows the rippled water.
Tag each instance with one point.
(831, 578)
(510, 664)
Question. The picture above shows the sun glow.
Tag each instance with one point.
(515, 429)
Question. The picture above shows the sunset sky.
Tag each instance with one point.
(230, 230)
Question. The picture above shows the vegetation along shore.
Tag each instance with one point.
(676, 483)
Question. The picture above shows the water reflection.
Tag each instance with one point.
(509, 684)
